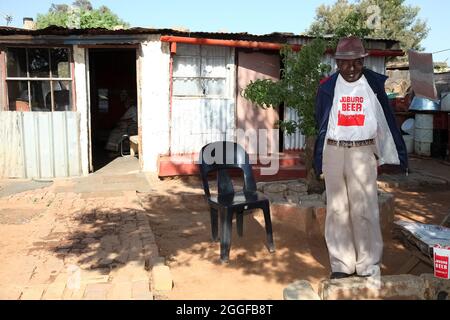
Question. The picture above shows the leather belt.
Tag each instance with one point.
(349, 144)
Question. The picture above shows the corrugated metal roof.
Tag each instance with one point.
(280, 37)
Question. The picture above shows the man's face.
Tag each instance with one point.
(350, 70)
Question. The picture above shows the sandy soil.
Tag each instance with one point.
(181, 226)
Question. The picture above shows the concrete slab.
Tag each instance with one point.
(11, 186)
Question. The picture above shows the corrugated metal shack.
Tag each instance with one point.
(64, 92)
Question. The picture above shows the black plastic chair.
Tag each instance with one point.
(221, 156)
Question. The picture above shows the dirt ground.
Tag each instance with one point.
(181, 225)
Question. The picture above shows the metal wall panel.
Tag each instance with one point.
(296, 140)
(11, 147)
(41, 144)
(196, 122)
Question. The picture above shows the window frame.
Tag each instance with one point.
(5, 78)
(202, 78)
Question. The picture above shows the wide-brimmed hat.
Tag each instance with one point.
(350, 48)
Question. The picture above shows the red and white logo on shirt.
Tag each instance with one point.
(350, 111)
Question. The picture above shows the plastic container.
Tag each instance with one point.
(424, 121)
(423, 135)
(422, 148)
(409, 141)
(408, 126)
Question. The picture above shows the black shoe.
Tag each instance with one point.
(340, 275)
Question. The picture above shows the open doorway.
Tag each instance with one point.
(113, 97)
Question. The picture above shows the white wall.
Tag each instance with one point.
(153, 90)
(81, 89)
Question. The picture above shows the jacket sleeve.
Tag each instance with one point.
(395, 130)
(318, 116)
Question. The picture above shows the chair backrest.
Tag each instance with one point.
(221, 156)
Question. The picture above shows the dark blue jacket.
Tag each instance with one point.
(324, 102)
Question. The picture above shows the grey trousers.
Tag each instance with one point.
(352, 225)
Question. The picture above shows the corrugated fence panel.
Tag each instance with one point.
(46, 144)
(296, 140)
(11, 148)
(60, 145)
(196, 122)
(31, 144)
(73, 143)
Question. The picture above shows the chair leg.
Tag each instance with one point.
(240, 223)
(268, 222)
(226, 219)
(214, 224)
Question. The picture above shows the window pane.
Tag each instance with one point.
(215, 67)
(61, 95)
(214, 87)
(18, 95)
(187, 87)
(40, 96)
(60, 63)
(17, 62)
(38, 64)
(186, 66)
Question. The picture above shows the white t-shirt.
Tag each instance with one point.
(352, 116)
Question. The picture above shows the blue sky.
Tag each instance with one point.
(253, 16)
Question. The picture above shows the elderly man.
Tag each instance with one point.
(356, 129)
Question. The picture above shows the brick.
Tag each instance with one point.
(10, 292)
(94, 276)
(54, 291)
(32, 292)
(74, 294)
(406, 287)
(141, 290)
(300, 290)
(96, 291)
(120, 291)
(161, 278)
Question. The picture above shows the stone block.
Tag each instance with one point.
(397, 287)
(275, 191)
(319, 217)
(293, 214)
(386, 205)
(161, 278)
(436, 288)
(297, 187)
(300, 290)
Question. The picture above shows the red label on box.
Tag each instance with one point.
(440, 266)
